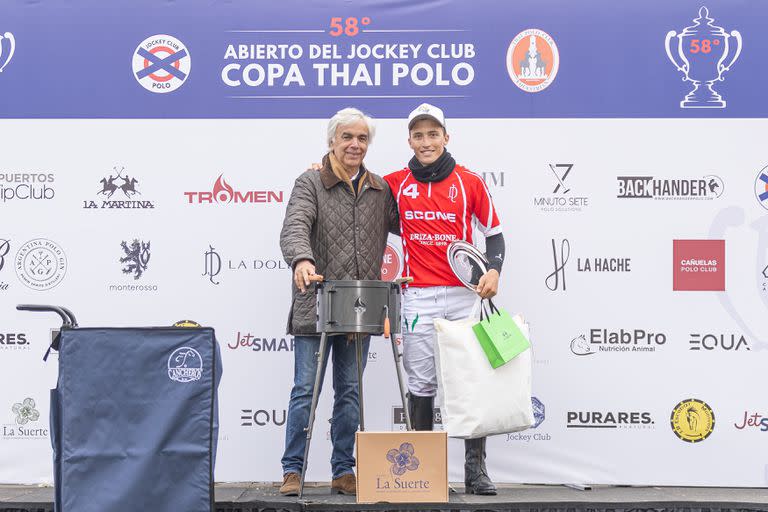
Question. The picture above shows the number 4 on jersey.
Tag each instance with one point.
(411, 190)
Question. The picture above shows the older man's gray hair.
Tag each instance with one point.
(347, 116)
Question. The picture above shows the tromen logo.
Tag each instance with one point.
(692, 420)
(533, 60)
(161, 63)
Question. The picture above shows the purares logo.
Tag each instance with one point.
(609, 419)
(403, 459)
(692, 420)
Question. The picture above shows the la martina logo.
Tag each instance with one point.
(119, 190)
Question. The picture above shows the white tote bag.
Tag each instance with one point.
(476, 400)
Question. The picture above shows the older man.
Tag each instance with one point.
(336, 225)
(439, 202)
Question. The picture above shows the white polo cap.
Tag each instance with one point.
(426, 111)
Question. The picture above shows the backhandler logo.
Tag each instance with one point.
(213, 265)
(561, 199)
(621, 341)
(263, 417)
(127, 189)
(22, 186)
(25, 424)
(246, 341)
(698, 265)
(648, 187)
(223, 193)
(610, 419)
(161, 63)
(718, 342)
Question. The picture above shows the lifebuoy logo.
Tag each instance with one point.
(161, 63)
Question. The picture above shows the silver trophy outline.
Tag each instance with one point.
(12, 39)
(694, 98)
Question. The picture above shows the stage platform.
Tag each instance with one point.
(524, 498)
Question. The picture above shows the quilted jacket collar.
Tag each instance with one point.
(330, 179)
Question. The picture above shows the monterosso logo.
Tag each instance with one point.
(403, 459)
(700, 52)
(532, 60)
(6, 56)
(185, 365)
(161, 63)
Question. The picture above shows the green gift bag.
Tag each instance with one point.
(499, 335)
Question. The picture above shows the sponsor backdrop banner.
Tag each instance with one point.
(149, 150)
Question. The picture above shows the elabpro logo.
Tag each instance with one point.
(617, 341)
(262, 417)
(610, 419)
(698, 265)
(562, 199)
(126, 189)
(6, 49)
(22, 186)
(248, 341)
(670, 189)
(161, 63)
(223, 193)
(532, 60)
(41, 264)
(718, 342)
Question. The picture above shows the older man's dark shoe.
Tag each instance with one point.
(345, 484)
(290, 485)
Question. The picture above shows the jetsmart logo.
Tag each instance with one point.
(224, 193)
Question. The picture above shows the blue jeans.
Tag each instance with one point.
(346, 412)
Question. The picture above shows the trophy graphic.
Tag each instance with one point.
(12, 41)
(702, 49)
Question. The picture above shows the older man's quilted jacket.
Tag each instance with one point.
(343, 234)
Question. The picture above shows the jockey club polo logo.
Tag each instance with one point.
(700, 52)
(533, 60)
(125, 189)
(224, 193)
(40, 264)
(6, 55)
(161, 63)
(136, 258)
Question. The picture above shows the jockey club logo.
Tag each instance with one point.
(136, 258)
(161, 63)
(224, 193)
(703, 49)
(126, 188)
(40, 264)
(533, 60)
(5, 58)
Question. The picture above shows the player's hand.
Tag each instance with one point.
(301, 274)
(488, 285)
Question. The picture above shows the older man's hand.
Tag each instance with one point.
(488, 284)
(304, 269)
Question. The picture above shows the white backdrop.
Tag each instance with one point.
(269, 154)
